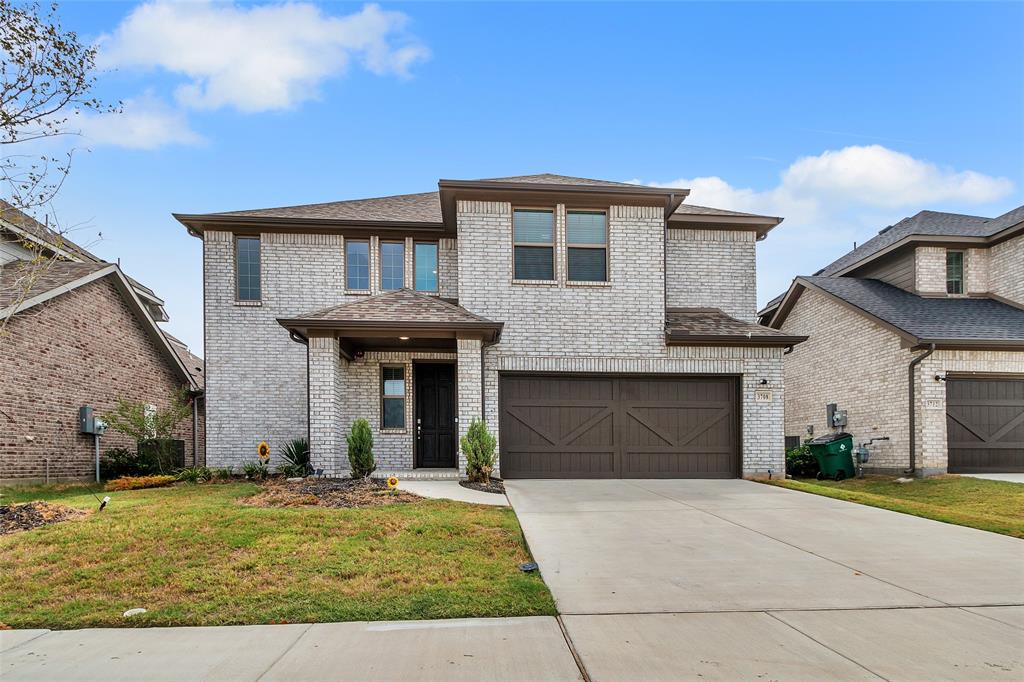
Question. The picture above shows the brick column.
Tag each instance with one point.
(470, 389)
(932, 455)
(326, 449)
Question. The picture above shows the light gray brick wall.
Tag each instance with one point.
(713, 269)
(470, 389)
(850, 361)
(1006, 269)
(976, 266)
(930, 274)
(448, 268)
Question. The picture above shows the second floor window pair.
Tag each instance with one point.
(586, 245)
(392, 265)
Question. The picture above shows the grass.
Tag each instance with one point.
(191, 555)
(996, 506)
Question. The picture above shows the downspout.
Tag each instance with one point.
(911, 394)
(195, 430)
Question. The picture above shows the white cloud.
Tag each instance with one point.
(258, 58)
(831, 200)
(146, 122)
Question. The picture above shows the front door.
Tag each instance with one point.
(436, 440)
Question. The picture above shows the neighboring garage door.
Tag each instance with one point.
(619, 427)
(985, 425)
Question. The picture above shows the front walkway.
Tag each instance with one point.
(734, 580)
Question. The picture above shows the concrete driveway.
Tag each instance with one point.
(734, 580)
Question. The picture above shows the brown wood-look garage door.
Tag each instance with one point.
(556, 426)
(985, 425)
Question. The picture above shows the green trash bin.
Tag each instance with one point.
(834, 453)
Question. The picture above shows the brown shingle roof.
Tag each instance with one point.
(401, 305)
(41, 232)
(21, 280)
(425, 207)
(698, 326)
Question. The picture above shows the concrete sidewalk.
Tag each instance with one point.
(467, 649)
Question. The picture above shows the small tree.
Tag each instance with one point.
(142, 422)
(478, 446)
(360, 449)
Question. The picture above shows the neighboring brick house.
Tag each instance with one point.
(539, 304)
(77, 331)
(919, 335)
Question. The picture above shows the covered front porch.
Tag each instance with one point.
(408, 363)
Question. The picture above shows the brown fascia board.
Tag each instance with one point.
(731, 340)
(971, 344)
(198, 223)
(532, 193)
(762, 225)
(302, 326)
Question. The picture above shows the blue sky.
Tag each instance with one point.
(841, 118)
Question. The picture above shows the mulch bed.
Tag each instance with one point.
(495, 486)
(328, 492)
(29, 515)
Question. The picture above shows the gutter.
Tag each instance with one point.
(911, 395)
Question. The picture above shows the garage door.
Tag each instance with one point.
(985, 425)
(619, 427)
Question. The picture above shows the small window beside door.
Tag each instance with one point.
(392, 386)
(954, 272)
(586, 242)
(533, 244)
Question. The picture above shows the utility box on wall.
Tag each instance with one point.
(86, 421)
(835, 417)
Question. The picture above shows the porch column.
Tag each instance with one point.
(470, 388)
(325, 382)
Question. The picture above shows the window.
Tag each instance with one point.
(586, 238)
(357, 265)
(247, 268)
(392, 387)
(954, 272)
(533, 237)
(425, 265)
(392, 265)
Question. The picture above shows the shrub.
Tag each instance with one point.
(117, 462)
(136, 482)
(194, 474)
(800, 463)
(296, 458)
(221, 474)
(255, 471)
(478, 446)
(360, 449)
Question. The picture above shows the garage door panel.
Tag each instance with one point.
(619, 427)
(985, 425)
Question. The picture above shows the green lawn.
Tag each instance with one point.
(192, 555)
(997, 506)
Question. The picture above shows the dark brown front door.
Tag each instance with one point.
(619, 427)
(434, 384)
(985, 425)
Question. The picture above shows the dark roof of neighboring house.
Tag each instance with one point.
(193, 363)
(425, 207)
(401, 305)
(41, 232)
(926, 319)
(699, 326)
(927, 223)
(21, 281)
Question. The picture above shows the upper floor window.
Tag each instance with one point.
(357, 265)
(392, 265)
(586, 240)
(425, 265)
(533, 243)
(247, 268)
(392, 386)
(954, 272)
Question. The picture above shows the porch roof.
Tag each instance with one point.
(395, 320)
(711, 326)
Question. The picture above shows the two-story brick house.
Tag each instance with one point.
(600, 329)
(919, 335)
